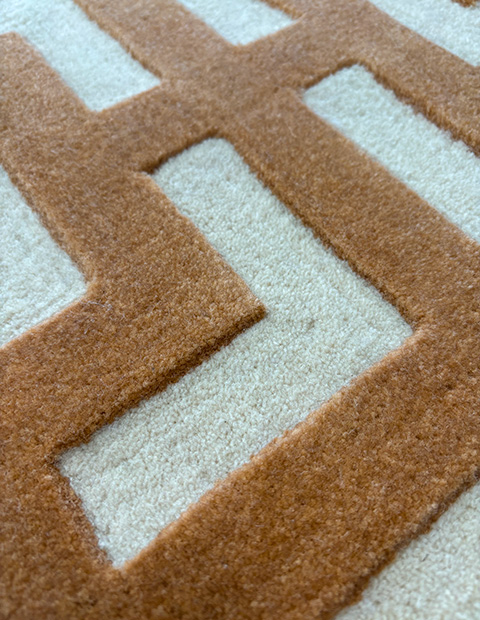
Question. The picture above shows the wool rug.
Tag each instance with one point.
(239, 285)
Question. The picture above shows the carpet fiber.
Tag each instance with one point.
(239, 311)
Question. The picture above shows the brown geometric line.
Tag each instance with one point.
(156, 287)
(51, 565)
(165, 305)
(238, 91)
(297, 532)
(358, 207)
(291, 511)
(294, 8)
(398, 407)
(210, 71)
(169, 24)
(143, 131)
(466, 3)
(443, 87)
(53, 137)
(416, 407)
(440, 295)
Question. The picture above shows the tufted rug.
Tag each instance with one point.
(239, 309)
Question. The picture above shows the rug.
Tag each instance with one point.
(239, 309)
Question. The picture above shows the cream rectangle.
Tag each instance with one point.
(441, 170)
(239, 21)
(90, 61)
(444, 22)
(37, 278)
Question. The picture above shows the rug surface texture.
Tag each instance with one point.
(239, 309)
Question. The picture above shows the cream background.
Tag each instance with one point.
(93, 64)
(37, 278)
(239, 21)
(436, 576)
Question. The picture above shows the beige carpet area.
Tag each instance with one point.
(239, 278)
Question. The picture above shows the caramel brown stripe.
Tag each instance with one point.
(445, 88)
(356, 206)
(275, 119)
(160, 300)
(152, 272)
(157, 124)
(160, 45)
(298, 530)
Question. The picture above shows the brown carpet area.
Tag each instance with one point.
(297, 532)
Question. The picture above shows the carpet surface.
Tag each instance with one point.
(239, 309)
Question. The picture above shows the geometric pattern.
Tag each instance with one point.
(324, 326)
(321, 509)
